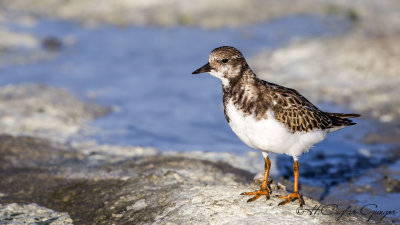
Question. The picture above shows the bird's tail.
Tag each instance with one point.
(342, 119)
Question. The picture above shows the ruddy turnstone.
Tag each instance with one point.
(269, 117)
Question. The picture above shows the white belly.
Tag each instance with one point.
(270, 135)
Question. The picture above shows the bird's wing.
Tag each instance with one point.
(294, 110)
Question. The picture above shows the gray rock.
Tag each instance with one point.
(31, 214)
(43, 111)
(10, 40)
(152, 189)
(19, 48)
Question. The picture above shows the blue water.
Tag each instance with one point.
(146, 73)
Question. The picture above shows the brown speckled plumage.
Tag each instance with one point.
(255, 96)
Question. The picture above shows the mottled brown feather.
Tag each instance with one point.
(256, 97)
(291, 108)
(299, 114)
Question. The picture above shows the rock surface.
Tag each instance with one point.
(158, 189)
(19, 48)
(43, 111)
(31, 214)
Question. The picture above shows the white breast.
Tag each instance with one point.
(270, 135)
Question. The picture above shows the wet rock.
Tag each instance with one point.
(252, 161)
(52, 44)
(158, 189)
(97, 154)
(391, 184)
(43, 111)
(375, 186)
(19, 48)
(320, 170)
(14, 40)
(25, 152)
(31, 214)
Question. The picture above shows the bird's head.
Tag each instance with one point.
(224, 63)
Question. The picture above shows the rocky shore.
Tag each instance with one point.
(43, 111)
(65, 182)
(38, 177)
(50, 173)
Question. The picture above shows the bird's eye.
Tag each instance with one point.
(225, 60)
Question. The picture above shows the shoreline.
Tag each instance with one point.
(147, 185)
(133, 180)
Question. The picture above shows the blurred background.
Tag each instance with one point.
(118, 73)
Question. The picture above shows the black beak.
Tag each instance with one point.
(204, 69)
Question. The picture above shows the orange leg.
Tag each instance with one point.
(295, 194)
(264, 186)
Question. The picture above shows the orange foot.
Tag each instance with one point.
(257, 194)
(290, 197)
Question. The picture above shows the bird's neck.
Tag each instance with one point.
(243, 75)
(242, 88)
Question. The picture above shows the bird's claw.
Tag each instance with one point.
(290, 198)
(257, 194)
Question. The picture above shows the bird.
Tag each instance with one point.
(269, 117)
